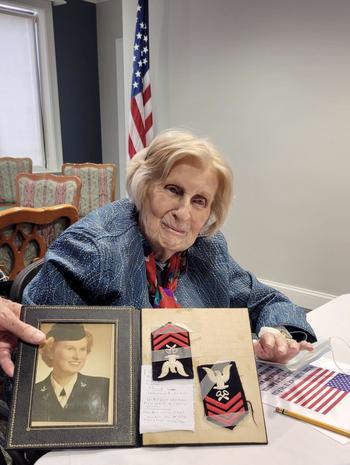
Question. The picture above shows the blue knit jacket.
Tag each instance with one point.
(100, 261)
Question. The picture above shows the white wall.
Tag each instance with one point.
(109, 31)
(268, 81)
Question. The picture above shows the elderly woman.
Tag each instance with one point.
(66, 394)
(162, 248)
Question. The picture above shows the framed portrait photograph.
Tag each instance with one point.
(74, 376)
(78, 389)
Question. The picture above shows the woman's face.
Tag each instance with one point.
(176, 210)
(69, 357)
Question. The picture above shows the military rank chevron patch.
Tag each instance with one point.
(171, 353)
(222, 393)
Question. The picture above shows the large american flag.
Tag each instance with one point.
(313, 388)
(141, 122)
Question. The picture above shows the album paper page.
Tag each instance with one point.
(216, 336)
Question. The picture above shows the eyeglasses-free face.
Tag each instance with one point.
(69, 357)
(177, 209)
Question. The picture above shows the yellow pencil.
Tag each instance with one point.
(297, 416)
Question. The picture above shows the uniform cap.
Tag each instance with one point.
(67, 332)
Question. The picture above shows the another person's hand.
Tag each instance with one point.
(277, 348)
(12, 328)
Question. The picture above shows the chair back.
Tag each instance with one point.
(26, 233)
(23, 278)
(47, 190)
(9, 168)
(98, 183)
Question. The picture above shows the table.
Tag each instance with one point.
(290, 441)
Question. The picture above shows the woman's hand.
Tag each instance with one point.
(11, 328)
(277, 348)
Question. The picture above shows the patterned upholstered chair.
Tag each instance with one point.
(9, 168)
(26, 233)
(46, 190)
(98, 182)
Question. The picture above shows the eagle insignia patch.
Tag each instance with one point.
(222, 393)
(171, 353)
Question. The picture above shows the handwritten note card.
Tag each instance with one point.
(165, 405)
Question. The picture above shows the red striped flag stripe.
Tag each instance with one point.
(296, 386)
(141, 119)
(319, 380)
(329, 408)
(314, 390)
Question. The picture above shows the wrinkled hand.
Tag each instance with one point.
(12, 328)
(277, 348)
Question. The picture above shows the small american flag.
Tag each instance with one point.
(316, 389)
(320, 391)
(141, 121)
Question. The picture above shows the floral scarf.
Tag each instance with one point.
(163, 296)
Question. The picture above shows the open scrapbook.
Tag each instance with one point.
(113, 377)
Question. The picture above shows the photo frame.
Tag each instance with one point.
(94, 352)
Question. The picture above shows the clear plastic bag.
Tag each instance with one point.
(303, 358)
